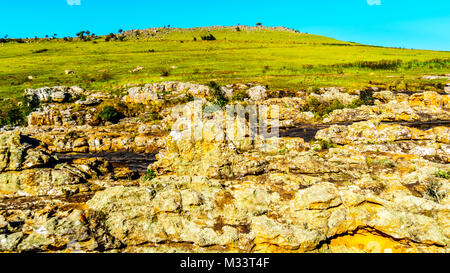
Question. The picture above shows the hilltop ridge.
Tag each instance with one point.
(277, 57)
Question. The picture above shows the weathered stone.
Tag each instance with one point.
(55, 94)
(257, 93)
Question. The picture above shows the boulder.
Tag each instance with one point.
(257, 93)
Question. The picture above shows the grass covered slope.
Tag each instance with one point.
(278, 57)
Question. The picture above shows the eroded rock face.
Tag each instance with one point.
(374, 132)
(432, 144)
(427, 106)
(157, 91)
(296, 202)
(333, 93)
(366, 186)
(65, 116)
(257, 93)
(55, 94)
(28, 170)
(15, 156)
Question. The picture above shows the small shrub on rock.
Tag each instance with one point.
(149, 175)
(442, 174)
(109, 113)
(240, 95)
(366, 96)
(321, 109)
(217, 96)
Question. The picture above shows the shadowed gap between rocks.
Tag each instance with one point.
(134, 161)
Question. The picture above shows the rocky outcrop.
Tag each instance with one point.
(293, 201)
(67, 116)
(432, 144)
(257, 93)
(374, 132)
(25, 170)
(55, 94)
(145, 138)
(424, 107)
(366, 186)
(157, 91)
(332, 93)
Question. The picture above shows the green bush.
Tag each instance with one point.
(208, 37)
(150, 174)
(325, 145)
(15, 113)
(109, 113)
(240, 95)
(366, 96)
(217, 96)
(355, 104)
(164, 72)
(40, 51)
(321, 109)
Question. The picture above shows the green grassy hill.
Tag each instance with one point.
(277, 57)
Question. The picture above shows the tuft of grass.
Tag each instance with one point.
(325, 145)
(442, 174)
(432, 190)
(149, 175)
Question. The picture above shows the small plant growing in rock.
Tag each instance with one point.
(432, 191)
(217, 96)
(71, 135)
(240, 95)
(442, 174)
(355, 104)
(149, 175)
(109, 113)
(321, 109)
(366, 96)
(325, 145)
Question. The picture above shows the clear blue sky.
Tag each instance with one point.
(400, 23)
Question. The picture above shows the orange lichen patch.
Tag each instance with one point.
(223, 199)
(404, 167)
(427, 99)
(402, 188)
(404, 157)
(5, 192)
(369, 241)
(446, 102)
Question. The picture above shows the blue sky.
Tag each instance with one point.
(400, 23)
